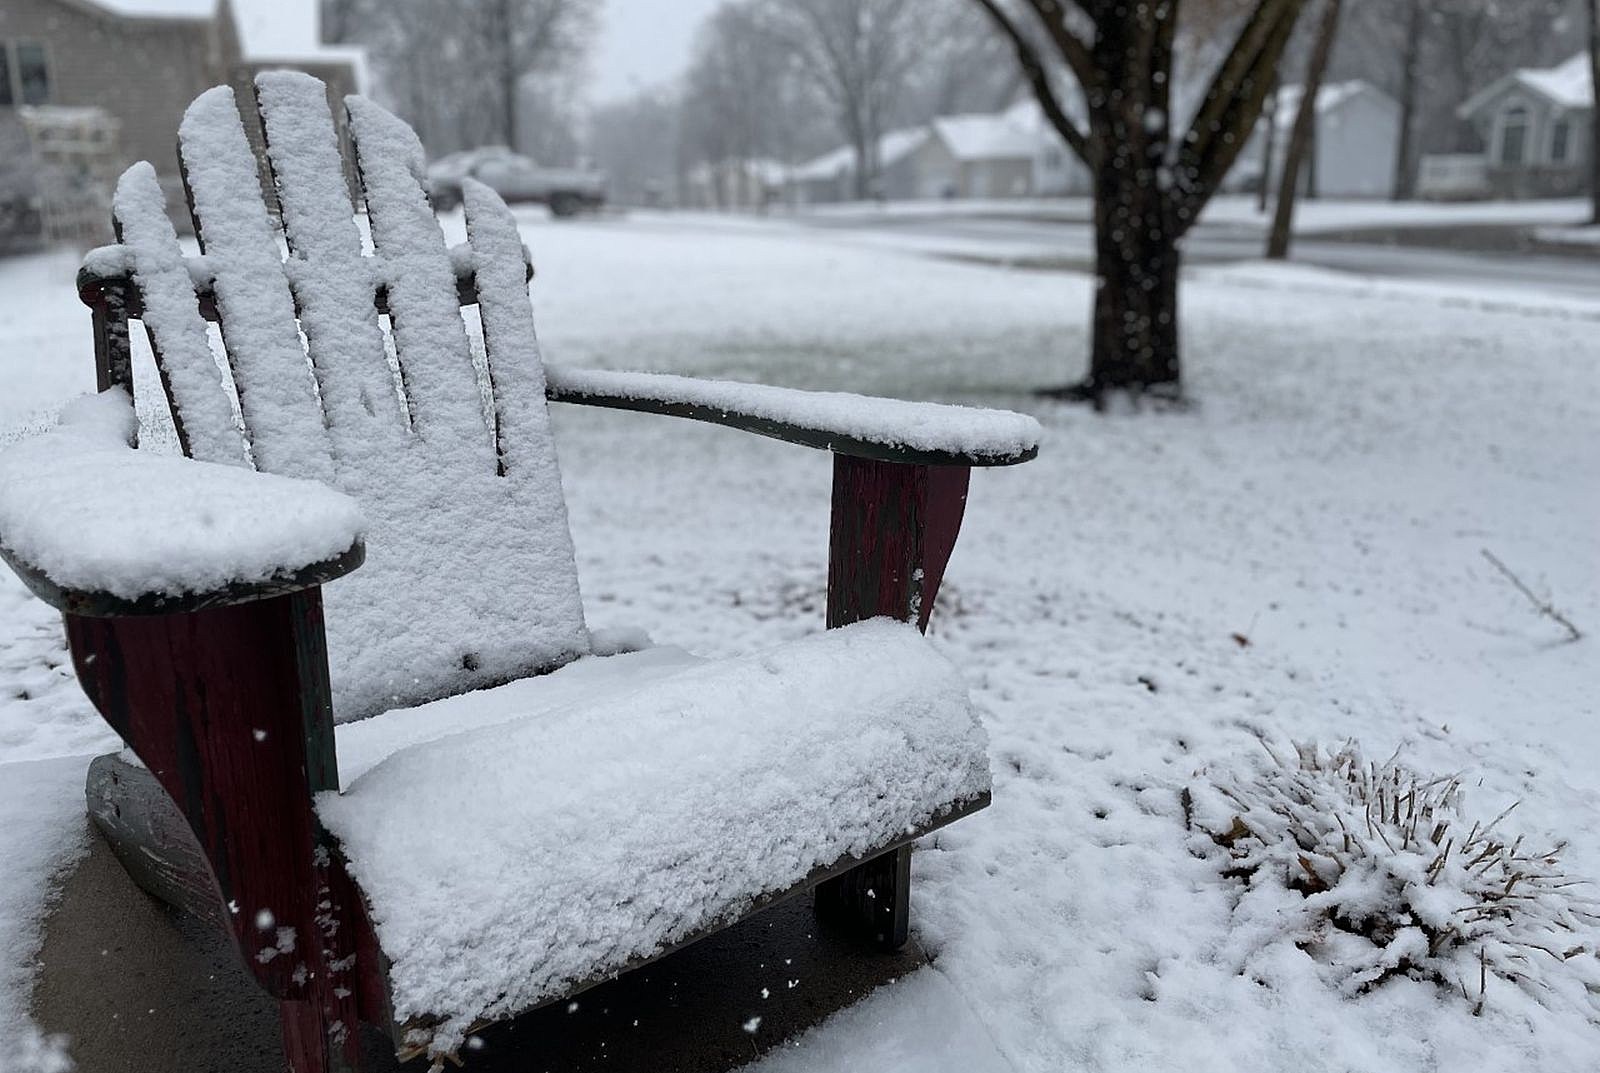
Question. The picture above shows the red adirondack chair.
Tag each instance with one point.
(577, 815)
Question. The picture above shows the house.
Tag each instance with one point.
(1353, 146)
(994, 158)
(832, 176)
(734, 184)
(1535, 126)
(1057, 171)
(138, 63)
(1007, 154)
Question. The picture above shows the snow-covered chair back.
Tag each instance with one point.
(470, 578)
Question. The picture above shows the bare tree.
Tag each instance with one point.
(636, 141)
(1303, 135)
(527, 37)
(461, 72)
(859, 54)
(1149, 186)
(1592, 9)
(739, 97)
(1405, 168)
(965, 66)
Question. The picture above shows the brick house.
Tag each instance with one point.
(140, 63)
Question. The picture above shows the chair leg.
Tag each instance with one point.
(314, 1043)
(872, 901)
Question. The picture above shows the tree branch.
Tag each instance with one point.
(1052, 15)
(1232, 106)
(1038, 77)
(1543, 606)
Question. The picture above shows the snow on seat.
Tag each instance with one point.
(506, 864)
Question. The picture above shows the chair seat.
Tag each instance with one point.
(567, 827)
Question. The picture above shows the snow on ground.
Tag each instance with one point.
(1353, 448)
(1585, 237)
(1312, 215)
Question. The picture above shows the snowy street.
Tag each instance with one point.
(1424, 242)
(1296, 557)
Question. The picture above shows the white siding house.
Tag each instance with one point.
(1352, 152)
(1535, 129)
(1008, 154)
(831, 176)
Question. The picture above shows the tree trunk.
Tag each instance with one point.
(1135, 341)
(1593, 7)
(1300, 136)
(1268, 142)
(508, 74)
(1404, 185)
(862, 180)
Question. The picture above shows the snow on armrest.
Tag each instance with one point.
(889, 429)
(96, 527)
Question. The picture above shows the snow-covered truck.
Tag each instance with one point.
(516, 178)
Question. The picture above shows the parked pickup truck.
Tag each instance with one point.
(568, 191)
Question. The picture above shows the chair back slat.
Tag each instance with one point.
(276, 394)
(470, 577)
(516, 371)
(194, 384)
(441, 385)
(331, 278)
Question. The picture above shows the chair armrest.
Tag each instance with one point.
(97, 528)
(860, 426)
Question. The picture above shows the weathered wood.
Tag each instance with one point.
(873, 901)
(217, 704)
(148, 834)
(892, 531)
(113, 353)
(96, 289)
(824, 439)
(155, 844)
(100, 292)
(93, 604)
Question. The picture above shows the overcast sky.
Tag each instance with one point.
(643, 43)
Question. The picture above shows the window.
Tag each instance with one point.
(24, 73)
(1513, 135)
(33, 73)
(1560, 136)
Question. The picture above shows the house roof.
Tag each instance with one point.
(1330, 97)
(1566, 85)
(160, 9)
(985, 137)
(892, 147)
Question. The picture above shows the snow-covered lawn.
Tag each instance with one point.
(1298, 556)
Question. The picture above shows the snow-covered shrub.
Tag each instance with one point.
(1376, 871)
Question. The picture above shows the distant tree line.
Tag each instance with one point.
(506, 72)
(784, 80)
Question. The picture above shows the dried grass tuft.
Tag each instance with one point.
(1378, 871)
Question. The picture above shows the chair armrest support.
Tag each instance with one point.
(886, 430)
(229, 710)
(892, 530)
(95, 527)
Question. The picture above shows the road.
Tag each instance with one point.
(1482, 256)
